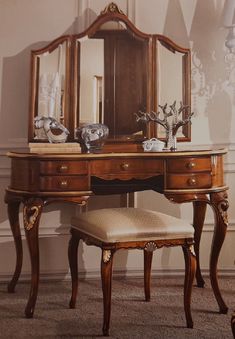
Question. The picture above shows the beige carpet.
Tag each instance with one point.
(131, 317)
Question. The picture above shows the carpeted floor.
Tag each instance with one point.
(131, 317)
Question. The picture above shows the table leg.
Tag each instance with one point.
(199, 212)
(233, 323)
(219, 203)
(13, 215)
(31, 214)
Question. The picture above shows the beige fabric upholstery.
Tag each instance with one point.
(131, 224)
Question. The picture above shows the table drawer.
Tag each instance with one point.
(122, 166)
(182, 181)
(61, 167)
(65, 183)
(188, 165)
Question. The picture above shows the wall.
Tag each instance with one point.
(30, 24)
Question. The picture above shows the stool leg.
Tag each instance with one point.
(73, 264)
(147, 273)
(106, 276)
(190, 269)
(199, 212)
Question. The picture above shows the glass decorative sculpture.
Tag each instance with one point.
(92, 137)
(51, 129)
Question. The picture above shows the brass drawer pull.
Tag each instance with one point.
(192, 182)
(63, 168)
(124, 166)
(63, 183)
(190, 165)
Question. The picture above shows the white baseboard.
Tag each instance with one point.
(51, 232)
(117, 274)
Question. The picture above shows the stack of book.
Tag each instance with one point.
(67, 147)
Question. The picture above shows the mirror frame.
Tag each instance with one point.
(71, 114)
(34, 83)
(186, 80)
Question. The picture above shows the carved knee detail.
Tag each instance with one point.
(150, 246)
(31, 212)
(191, 250)
(106, 256)
(220, 201)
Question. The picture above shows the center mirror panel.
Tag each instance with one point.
(112, 81)
(91, 81)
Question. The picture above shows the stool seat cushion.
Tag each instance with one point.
(131, 224)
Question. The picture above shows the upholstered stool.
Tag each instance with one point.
(130, 228)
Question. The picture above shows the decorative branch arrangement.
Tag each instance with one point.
(170, 121)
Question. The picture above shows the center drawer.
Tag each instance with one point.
(60, 167)
(127, 166)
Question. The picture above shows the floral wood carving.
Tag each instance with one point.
(221, 201)
(112, 8)
(106, 255)
(191, 249)
(223, 207)
(31, 212)
(150, 246)
(153, 245)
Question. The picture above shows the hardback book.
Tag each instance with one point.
(68, 147)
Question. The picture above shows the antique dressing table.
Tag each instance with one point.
(122, 166)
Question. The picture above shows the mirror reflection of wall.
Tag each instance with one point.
(170, 80)
(51, 83)
(91, 80)
(99, 98)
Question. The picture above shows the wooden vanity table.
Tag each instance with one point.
(126, 71)
(181, 176)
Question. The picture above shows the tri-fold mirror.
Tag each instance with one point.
(106, 74)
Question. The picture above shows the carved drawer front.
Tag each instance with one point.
(188, 165)
(65, 183)
(127, 166)
(190, 181)
(63, 167)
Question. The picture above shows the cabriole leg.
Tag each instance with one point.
(199, 212)
(73, 264)
(31, 214)
(13, 215)
(147, 273)
(219, 203)
(190, 269)
(106, 276)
